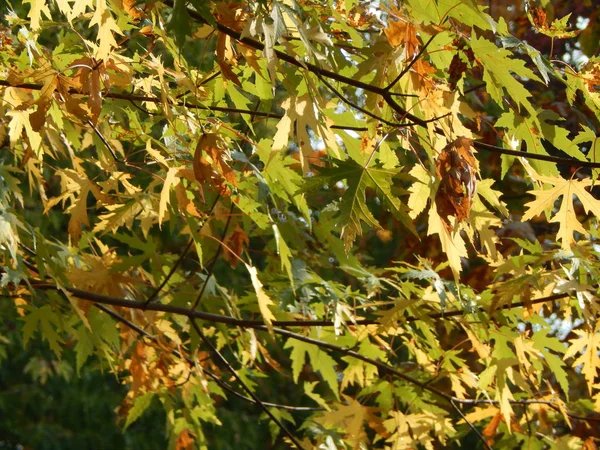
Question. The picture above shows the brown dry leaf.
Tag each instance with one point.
(226, 58)
(236, 242)
(456, 70)
(38, 118)
(139, 366)
(421, 75)
(87, 80)
(210, 166)
(456, 169)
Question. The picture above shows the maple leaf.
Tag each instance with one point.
(398, 33)
(35, 13)
(558, 28)
(235, 244)
(455, 169)
(72, 183)
(587, 347)
(319, 360)
(106, 26)
(210, 165)
(165, 194)
(353, 207)
(351, 417)
(498, 77)
(565, 216)
(140, 404)
(264, 301)
(46, 320)
(300, 114)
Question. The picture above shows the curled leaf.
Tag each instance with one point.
(456, 170)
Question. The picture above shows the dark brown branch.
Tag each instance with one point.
(354, 105)
(556, 159)
(246, 323)
(150, 99)
(300, 64)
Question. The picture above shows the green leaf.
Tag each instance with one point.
(498, 74)
(140, 405)
(179, 23)
(46, 321)
(319, 359)
(84, 347)
(353, 208)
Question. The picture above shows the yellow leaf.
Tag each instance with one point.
(452, 243)
(587, 347)
(481, 413)
(165, 194)
(20, 120)
(565, 216)
(264, 301)
(419, 191)
(106, 26)
(35, 13)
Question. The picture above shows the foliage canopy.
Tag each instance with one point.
(360, 224)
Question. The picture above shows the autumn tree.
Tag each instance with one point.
(299, 224)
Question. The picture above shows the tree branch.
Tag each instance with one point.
(248, 323)
(385, 368)
(473, 427)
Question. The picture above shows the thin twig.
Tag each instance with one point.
(385, 368)
(388, 96)
(231, 370)
(411, 63)
(355, 106)
(213, 262)
(258, 324)
(185, 251)
(171, 272)
(473, 427)
(104, 141)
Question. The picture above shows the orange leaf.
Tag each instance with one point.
(38, 118)
(225, 58)
(185, 440)
(399, 33)
(210, 165)
(236, 242)
(490, 430)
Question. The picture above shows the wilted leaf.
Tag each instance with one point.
(457, 173)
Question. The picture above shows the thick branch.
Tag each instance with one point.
(258, 324)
